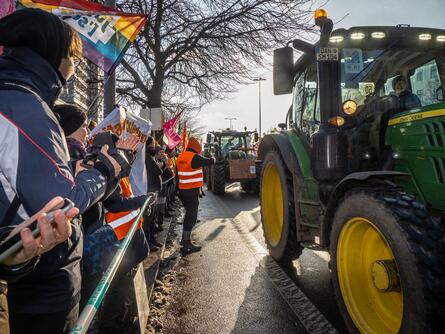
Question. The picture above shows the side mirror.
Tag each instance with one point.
(439, 94)
(283, 63)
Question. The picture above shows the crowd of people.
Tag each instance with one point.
(45, 159)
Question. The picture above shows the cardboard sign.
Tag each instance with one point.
(122, 123)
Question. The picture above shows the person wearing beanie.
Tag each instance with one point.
(73, 122)
(38, 58)
(189, 165)
(407, 100)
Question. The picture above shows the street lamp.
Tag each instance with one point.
(259, 79)
(230, 119)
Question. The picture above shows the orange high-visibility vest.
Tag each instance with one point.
(189, 178)
(121, 222)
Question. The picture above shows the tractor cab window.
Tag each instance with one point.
(229, 143)
(405, 79)
(306, 106)
(311, 103)
(425, 83)
(297, 103)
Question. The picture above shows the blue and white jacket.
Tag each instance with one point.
(34, 167)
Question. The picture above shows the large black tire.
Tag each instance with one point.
(208, 177)
(218, 179)
(246, 186)
(416, 241)
(285, 248)
(250, 187)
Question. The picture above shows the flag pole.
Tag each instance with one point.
(110, 82)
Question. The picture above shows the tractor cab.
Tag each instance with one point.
(365, 94)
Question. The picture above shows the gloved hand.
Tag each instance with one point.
(114, 163)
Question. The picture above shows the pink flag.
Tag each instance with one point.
(6, 7)
(170, 133)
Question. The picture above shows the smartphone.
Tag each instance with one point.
(13, 242)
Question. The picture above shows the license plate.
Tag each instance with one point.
(326, 54)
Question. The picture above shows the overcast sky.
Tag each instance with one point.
(244, 104)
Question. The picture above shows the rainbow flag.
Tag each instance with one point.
(105, 32)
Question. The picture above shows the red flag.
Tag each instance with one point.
(170, 133)
(184, 137)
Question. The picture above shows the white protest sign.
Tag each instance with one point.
(122, 123)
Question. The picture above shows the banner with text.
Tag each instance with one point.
(122, 123)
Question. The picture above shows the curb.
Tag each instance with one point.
(154, 260)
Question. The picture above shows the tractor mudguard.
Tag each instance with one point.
(341, 188)
(290, 148)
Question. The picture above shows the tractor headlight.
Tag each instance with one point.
(349, 107)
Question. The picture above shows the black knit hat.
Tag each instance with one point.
(70, 117)
(40, 31)
(397, 79)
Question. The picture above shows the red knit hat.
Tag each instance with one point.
(194, 144)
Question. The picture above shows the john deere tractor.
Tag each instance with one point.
(235, 160)
(360, 170)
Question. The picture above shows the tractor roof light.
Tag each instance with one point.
(357, 35)
(378, 34)
(440, 38)
(336, 39)
(320, 12)
(425, 37)
(337, 121)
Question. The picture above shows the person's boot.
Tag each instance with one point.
(189, 246)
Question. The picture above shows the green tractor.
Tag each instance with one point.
(360, 171)
(235, 160)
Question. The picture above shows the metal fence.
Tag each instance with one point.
(99, 293)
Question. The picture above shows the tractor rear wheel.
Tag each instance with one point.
(387, 262)
(218, 179)
(278, 210)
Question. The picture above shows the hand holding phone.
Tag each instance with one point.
(39, 233)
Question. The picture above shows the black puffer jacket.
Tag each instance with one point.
(34, 166)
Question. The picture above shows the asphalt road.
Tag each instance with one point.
(233, 286)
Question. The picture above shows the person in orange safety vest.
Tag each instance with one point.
(121, 221)
(189, 166)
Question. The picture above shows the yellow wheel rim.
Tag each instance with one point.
(368, 278)
(272, 204)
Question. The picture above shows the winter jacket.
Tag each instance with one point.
(34, 167)
(154, 174)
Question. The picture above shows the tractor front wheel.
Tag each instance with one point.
(278, 210)
(218, 179)
(208, 177)
(386, 263)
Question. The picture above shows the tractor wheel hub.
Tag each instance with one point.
(385, 276)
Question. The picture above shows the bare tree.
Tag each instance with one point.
(194, 51)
